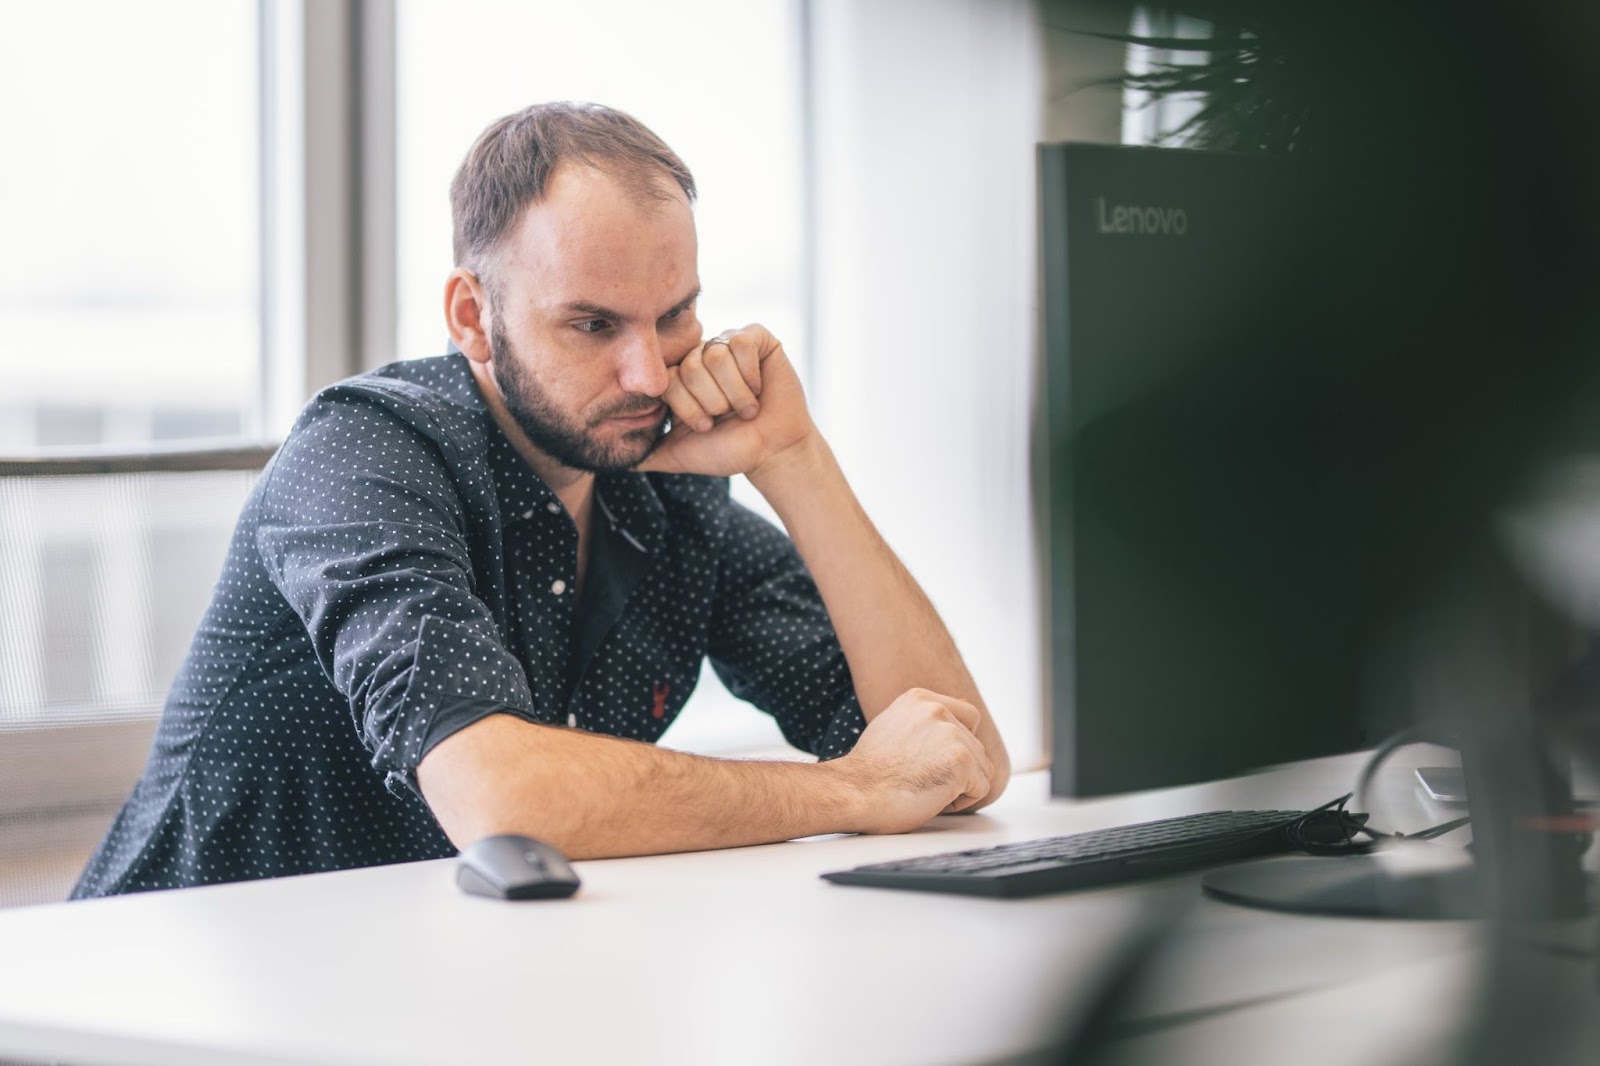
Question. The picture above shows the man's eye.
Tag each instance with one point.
(592, 325)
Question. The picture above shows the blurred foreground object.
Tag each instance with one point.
(1446, 162)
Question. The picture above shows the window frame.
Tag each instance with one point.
(326, 130)
(328, 221)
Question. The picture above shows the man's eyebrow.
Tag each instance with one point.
(583, 307)
(683, 304)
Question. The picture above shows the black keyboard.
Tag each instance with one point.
(1083, 860)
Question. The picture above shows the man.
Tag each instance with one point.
(466, 588)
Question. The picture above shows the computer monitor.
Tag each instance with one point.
(1243, 473)
(1203, 566)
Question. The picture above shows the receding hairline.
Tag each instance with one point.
(650, 193)
(509, 166)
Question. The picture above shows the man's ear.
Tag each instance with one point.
(466, 313)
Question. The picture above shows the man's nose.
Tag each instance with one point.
(643, 369)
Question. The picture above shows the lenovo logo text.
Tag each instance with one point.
(1137, 220)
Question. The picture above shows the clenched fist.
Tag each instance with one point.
(736, 405)
(918, 758)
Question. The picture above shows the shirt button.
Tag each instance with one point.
(572, 719)
(528, 513)
(553, 507)
(558, 586)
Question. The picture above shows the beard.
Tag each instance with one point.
(565, 439)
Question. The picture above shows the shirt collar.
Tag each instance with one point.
(626, 502)
(457, 382)
(523, 494)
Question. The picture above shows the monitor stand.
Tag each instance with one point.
(1355, 886)
(1525, 862)
(1541, 877)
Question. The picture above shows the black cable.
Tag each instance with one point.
(1332, 830)
(1438, 830)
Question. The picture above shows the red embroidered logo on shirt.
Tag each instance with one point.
(658, 709)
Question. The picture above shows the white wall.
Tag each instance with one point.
(926, 116)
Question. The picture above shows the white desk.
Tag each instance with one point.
(740, 956)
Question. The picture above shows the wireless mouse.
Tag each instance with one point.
(509, 866)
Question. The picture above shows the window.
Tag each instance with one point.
(130, 321)
(129, 316)
(128, 204)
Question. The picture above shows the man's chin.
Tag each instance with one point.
(644, 442)
(630, 449)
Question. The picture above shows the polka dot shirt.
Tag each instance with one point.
(399, 573)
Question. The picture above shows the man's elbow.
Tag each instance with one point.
(474, 780)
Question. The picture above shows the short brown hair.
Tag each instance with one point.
(511, 162)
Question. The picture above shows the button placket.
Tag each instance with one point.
(541, 557)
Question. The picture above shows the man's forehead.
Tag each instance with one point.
(594, 240)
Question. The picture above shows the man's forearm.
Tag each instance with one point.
(596, 797)
(892, 637)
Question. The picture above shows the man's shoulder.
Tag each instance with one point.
(693, 500)
(683, 507)
(441, 386)
(409, 423)
(431, 398)
(689, 490)
(701, 509)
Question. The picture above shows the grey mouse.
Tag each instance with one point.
(515, 867)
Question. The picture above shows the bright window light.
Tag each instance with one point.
(128, 223)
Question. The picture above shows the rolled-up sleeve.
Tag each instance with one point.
(363, 530)
(772, 643)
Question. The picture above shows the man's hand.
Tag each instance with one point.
(919, 757)
(736, 405)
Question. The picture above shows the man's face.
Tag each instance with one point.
(594, 298)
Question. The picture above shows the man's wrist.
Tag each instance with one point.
(844, 792)
(797, 466)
